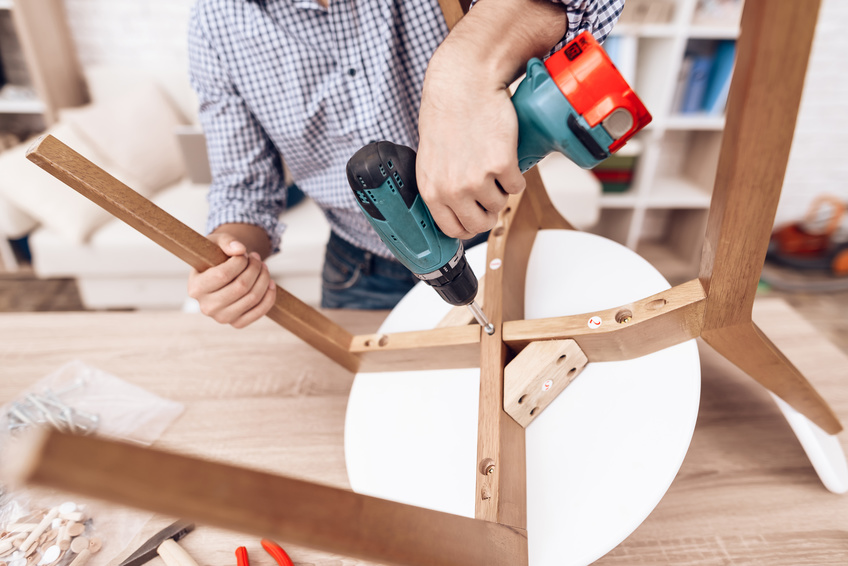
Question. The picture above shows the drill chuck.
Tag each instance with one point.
(455, 282)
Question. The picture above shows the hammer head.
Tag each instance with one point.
(176, 531)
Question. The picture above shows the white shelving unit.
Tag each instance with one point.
(663, 214)
(40, 75)
(38, 53)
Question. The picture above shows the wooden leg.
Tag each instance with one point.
(262, 504)
(546, 213)
(762, 108)
(104, 190)
(746, 346)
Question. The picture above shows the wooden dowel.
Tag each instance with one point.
(199, 252)
(265, 505)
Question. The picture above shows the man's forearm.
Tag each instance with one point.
(500, 36)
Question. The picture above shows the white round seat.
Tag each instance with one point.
(599, 458)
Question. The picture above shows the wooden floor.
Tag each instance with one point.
(746, 493)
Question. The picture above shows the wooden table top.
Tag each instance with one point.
(746, 493)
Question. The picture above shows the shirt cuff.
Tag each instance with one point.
(232, 214)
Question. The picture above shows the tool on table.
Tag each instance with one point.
(272, 548)
(164, 544)
(576, 103)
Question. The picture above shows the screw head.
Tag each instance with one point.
(487, 467)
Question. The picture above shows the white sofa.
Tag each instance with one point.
(129, 130)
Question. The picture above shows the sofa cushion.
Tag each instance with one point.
(14, 222)
(108, 82)
(135, 131)
(117, 250)
(48, 200)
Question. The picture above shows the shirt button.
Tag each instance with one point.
(351, 71)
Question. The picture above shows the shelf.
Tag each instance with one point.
(21, 106)
(713, 32)
(625, 199)
(643, 30)
(699, 121)
(677, 192)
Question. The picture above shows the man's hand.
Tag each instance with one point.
(467, 163)
(240, 290)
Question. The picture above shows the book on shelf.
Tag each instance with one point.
(616, 172)
(622, 51)
(704, 79)
(718, 84)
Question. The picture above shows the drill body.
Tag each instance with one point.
(575, 103)
(382, 176)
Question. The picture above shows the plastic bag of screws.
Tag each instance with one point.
(62, 535)
(81, 399)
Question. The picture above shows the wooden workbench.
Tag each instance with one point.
(746, 493)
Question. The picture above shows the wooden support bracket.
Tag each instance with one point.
(536, 376)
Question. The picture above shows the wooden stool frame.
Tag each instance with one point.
(773, 50)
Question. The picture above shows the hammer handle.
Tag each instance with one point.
(174, 555)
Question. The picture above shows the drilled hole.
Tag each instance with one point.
(533, 412)
(368, 343)
(521, 399)
(507, 210)
(383, 340)
(656, 304)
(561, 359)
(623, 316)
(497, 232)
(572, 371)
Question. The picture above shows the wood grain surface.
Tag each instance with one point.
(746, 493)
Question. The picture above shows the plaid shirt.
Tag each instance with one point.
(290, 78)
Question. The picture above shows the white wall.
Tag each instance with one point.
(818, 162)
(135, 33)
(141, 33)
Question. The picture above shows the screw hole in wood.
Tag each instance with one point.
(623, 316)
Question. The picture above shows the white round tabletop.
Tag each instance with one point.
(601, 455)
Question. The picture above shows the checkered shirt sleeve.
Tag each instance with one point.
(289, 79)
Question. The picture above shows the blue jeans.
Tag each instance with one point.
(356, 279)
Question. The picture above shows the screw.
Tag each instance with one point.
(487, 467)
(624, 320)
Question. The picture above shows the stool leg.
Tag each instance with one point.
(750, 350)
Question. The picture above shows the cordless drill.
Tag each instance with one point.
(576, 103)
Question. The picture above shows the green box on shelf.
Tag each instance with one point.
(616, 173)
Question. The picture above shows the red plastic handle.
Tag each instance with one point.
(241, 556)
(277, 552)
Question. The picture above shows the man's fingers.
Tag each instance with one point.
(216, 278)
(511, 180)
(239, 295)
(254, 289)
(448, 222)
(229, 244)
(494, 199)
(261, 309)
(476, 220)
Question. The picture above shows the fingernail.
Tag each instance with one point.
(271, 284)
(255, 256)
